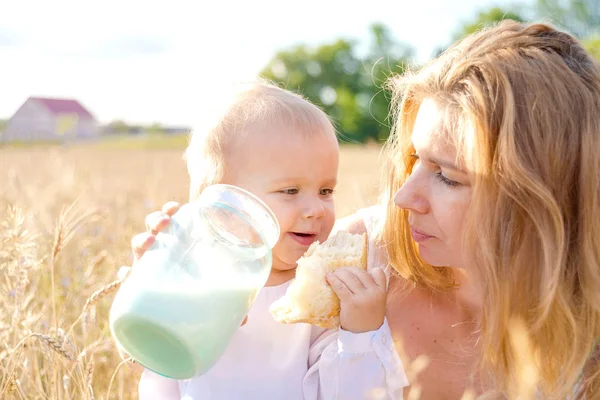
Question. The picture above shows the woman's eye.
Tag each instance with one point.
(445, 181)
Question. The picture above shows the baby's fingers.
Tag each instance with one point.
(140, 243)
(170, 208)
(156, 222)
(339, 287)
(379, 277)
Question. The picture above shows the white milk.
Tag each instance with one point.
(182, 331)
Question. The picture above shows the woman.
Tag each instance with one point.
(491, 218)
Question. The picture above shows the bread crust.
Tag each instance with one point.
(309, 298)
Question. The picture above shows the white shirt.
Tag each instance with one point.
(269, 360)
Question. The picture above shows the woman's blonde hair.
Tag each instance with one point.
(523, 105)
(251, 105)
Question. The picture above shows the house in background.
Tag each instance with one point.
(46, 119)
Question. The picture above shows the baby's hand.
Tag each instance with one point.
(155, 222)
(362, 297)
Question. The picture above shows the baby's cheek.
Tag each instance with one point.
(287, 256)
(328, 223)
(284, 215)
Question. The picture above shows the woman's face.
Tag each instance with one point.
(437, 193)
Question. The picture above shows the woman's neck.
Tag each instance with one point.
(468, 297)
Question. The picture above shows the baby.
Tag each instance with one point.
(284, 149)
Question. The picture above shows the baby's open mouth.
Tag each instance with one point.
(303, 234)
(305, 239)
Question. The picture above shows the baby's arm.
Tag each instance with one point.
(360, 362)
(355, 366)
(156, 387)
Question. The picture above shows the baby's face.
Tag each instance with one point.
(295, 175)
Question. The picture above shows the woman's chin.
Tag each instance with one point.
(435, 260)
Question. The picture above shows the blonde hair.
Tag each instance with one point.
(256, 103)
(523, 106)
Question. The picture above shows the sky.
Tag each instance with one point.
(158, 61)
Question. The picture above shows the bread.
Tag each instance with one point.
(309, 298)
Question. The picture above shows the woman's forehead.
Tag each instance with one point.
(439, 133)
(431, 128)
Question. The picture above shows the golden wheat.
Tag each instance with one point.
(67, 215)
(54, 345)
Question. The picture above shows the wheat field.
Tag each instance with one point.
(68, 215)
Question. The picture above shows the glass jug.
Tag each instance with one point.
(188, 294)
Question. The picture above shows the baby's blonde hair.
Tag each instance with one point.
(254, 104)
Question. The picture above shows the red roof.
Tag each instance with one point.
(63, 106)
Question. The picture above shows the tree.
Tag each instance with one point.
(346, 86)
(155, 129)
(592, 44)
(386, 58)
(119, 127)
(579, 17)
(483, 19)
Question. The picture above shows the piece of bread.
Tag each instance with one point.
(309, 298)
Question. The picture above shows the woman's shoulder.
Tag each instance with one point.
(363, 220)
(352, 223)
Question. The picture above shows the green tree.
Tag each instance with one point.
(347, 86)
(484, 19)
(579, 17)
(592, 44)
(386, 58)
(487, 18)
(155, 129)
(119, 127)
(2, 124)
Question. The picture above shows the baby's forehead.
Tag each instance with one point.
(281, 153)
(276, 128)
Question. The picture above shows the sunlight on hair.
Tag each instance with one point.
(526, 372)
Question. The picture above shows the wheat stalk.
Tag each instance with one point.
(112, 378)
(54, 345)
(96, 262)
(95, 298)
(89, 376)
(45, 339)
(12, 383)
(100, 344)
(89, 372)
(101, 293)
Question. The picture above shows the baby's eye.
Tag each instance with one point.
(326, 192)
(289, 191)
